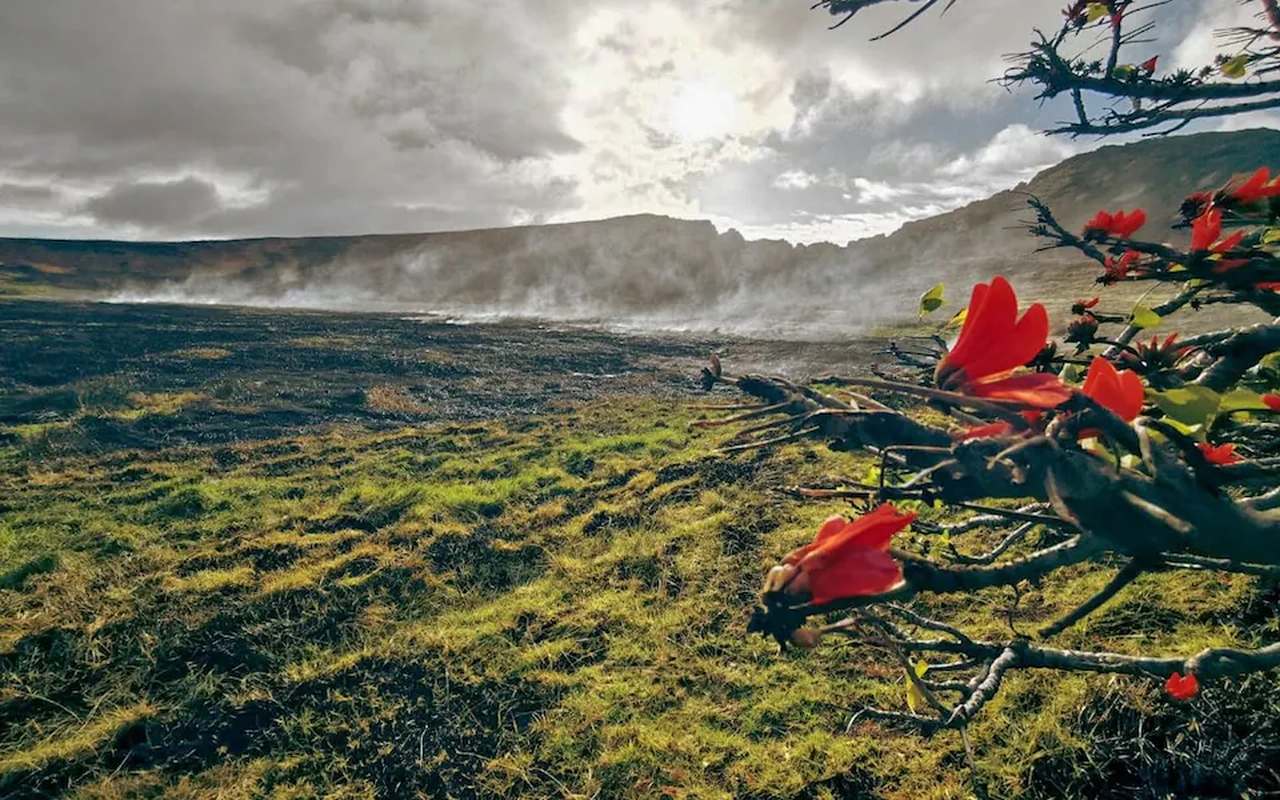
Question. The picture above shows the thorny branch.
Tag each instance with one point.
(1169, 99)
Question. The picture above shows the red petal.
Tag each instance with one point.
(992, 311)
(874, 530)
(1126, 225)
(1221, 455)
(1251, 190)
(837, 536)
(1205, 229)
(859, 573)
(982, 431)
(832, 527)
(1229, 243)
(1018, 345)
(1272, 401)
(1182, 687)
(1100, 221)
(1036, 389)
(1122, 393)
(1133, 393)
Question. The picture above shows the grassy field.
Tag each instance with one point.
(286, 555)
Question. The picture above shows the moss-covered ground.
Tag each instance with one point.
(387, 602)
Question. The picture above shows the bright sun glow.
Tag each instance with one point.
(701, 110)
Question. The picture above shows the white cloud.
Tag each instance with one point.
(795, 179)
(1200, 45)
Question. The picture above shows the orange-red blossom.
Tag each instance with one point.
(848, 558)
(1222, 455)
(1258, 187)
(1120, 392)
(1118, 269)
(1205, 230)
(1182, 687)
(993, 343)
(1122, 225)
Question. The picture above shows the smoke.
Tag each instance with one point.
(629, 274)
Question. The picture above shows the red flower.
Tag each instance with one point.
(1149, 66)
(1205, 230)
(849, 558)
(1182, 687)
(1120, 392)
(1120, 224)
(1272, 401)
(1119, 270)
(1221, 455)
(1256, 188)
(993, 343)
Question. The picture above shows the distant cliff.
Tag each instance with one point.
(652, 269)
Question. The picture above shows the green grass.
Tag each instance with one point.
(549, 607)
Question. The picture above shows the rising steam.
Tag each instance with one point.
(634, 273)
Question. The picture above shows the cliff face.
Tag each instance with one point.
(655, 267)
(988, 237)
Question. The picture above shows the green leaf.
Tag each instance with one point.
(1072, 373)
(1144, 317)
(1194, 431)
(1241, 400)
(1234, 67)
(1190, 405)
(916, 700)
(932, 300)
(872, 476)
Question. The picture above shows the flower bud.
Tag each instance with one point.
(806, 638)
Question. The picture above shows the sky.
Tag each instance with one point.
(156, 119)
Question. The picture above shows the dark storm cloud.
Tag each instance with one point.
(155, 204)
(17, 194)
(402, 114)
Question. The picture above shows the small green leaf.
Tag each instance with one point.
(1190, 405)
(873, 475)
(915, 698)
(1072, 373)
(1241, 400)
(932, 300)
(1234, 67)
(1193, 431)
(1144, 317)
